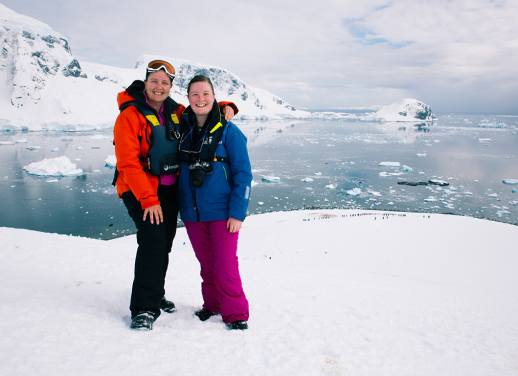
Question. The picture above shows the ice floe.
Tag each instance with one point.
(110, 161)
(510, 181)
(270, 179)
(59, 166)
(354, 192)
(389, 164)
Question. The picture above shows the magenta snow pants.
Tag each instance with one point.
(216, 250)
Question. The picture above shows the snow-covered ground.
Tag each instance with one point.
(331, 293)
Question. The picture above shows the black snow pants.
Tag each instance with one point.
(154, 245)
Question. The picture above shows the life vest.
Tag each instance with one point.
(162, 157)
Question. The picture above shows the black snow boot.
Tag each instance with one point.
(143, 321)
(167, 305)
(237, 325)
(204, 314)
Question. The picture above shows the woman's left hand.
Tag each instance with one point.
(233, 225)
(228, 112)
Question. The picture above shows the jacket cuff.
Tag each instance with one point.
(148, 202)
(228, 103)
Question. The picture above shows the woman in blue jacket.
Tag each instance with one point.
(214, 190)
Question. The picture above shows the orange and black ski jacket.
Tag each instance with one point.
(131, 135)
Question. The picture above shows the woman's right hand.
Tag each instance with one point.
(155, 214)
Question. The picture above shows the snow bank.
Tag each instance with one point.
(331, 293)
(59, 166)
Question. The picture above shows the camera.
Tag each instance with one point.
(198, 170)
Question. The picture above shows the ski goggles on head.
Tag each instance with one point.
(156, 65)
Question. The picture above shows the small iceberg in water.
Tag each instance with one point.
(270, 179)
(60, 166)
(110, 161)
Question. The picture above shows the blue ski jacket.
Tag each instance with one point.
(226, 189)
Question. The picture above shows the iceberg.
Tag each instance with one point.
(408, 109)
(110, 161)
(60, 166)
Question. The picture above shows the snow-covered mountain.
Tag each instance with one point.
(44, 86)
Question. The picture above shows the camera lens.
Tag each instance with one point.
(197, 177)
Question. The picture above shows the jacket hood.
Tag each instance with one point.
(134, 92)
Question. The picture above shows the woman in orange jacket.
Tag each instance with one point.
(146, 136)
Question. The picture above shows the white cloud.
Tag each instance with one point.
(456, 55)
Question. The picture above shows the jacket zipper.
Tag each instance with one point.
(194, 195)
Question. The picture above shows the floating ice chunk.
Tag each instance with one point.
(33, 147)
(374, 193)
(354, 192)
(493, 195)
(7, 142)
(318, 173)
(307, 180)
(389, 164)
(484, 140)
(385, 173)
(440, 182)
(510, 181)
(110, 161)
(430, 199)
(60, 166)
(260, 203)
(51, 181)
(406, 168)
(21, 141)
(421, 154)
(99, 137)
(270, 179)
(331, 186)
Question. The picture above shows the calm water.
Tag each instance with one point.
(314, 164)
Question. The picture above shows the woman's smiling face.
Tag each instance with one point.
(201, 98)
(157, 87)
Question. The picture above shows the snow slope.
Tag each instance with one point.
(331, 293)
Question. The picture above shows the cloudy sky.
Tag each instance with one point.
(456, 55)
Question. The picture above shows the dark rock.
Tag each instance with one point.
(72, 69)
